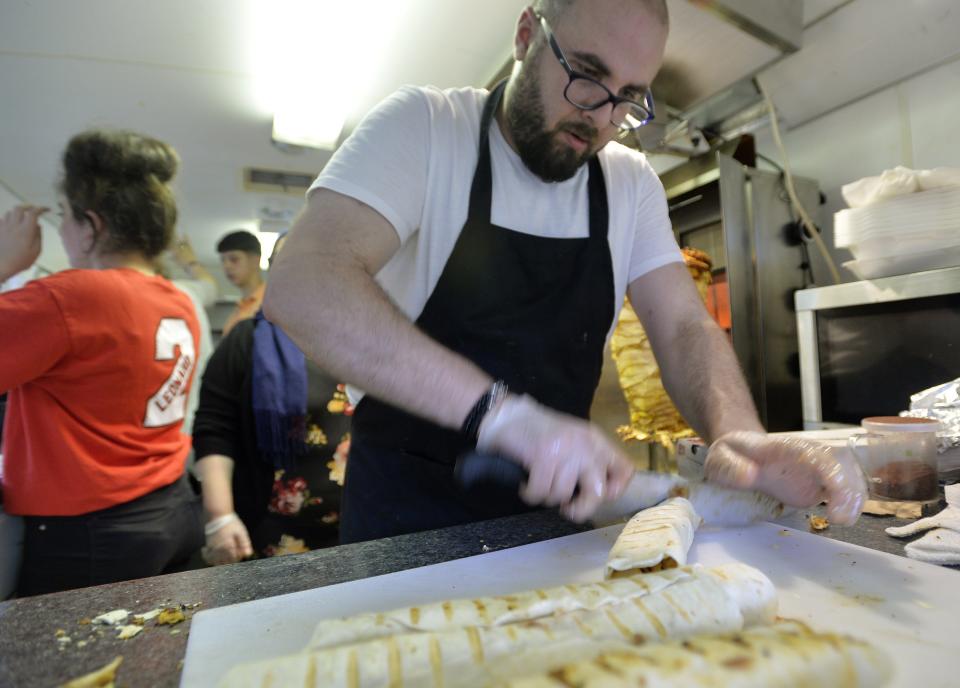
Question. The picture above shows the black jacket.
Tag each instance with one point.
(224, 424)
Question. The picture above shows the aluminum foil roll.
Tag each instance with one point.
(942, 403)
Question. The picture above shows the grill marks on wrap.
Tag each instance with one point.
(618, 624)
(436, 661)
(394, 664)
(789, 651)
(353, 670)
(678, 603)
(680, 610)
(489, 611)
(482, 612)
(654, 621)
(476, 644)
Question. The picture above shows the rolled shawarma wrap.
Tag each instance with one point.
(488, 611)
(655, 538)
(786, 655)
(698, 600)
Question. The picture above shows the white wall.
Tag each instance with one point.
(913, 123)
(52, 258)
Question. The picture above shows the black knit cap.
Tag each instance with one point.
(241, 240)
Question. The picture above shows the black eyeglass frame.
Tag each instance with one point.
(572, 74)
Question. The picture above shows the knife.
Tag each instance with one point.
(491, 474)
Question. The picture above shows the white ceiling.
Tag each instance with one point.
(863, 47)
(814, 10)
(182, 70)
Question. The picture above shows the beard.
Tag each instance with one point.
(539, 148)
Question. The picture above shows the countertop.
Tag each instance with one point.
(32, 655)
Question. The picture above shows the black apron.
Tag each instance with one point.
(530, 310)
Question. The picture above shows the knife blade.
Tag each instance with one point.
(720, 506)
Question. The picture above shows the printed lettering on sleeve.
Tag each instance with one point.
(168, 404)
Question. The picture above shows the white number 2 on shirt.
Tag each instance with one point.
(169, 403)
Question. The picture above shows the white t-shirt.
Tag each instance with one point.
(412, 160)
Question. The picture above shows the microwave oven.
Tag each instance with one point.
(866, 347)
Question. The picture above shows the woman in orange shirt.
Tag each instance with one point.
(97, 363)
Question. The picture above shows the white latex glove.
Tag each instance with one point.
(227, 541)
(942, 544)
(559, 452)
(797, 472)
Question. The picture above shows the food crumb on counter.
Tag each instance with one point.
(818, 523)
(140, 619)
(111, 618)
(170, 616)
(104, 676)
(127, 632)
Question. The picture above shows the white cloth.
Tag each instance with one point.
(942, 544)
(412, 160)
(898, 182)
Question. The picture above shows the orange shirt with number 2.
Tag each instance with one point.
(97, 364)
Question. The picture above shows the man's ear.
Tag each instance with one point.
(526, 29)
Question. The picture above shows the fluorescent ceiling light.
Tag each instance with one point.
(314, 61)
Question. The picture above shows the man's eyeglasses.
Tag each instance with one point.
(586, 93)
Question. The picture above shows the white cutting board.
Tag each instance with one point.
(909, 609)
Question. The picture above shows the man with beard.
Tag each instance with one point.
(461, 260)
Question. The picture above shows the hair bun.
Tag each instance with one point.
(119, 155)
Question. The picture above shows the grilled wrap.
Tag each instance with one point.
(787, 655)
(697, 600)
(655, 538)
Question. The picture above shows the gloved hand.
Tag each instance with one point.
(227, 541)
(559, 452)
(942, 544)
(797, 472)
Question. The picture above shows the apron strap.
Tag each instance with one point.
(481, 190)
(597, 199)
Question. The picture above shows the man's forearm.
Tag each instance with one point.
(329, 304)
(701, 374)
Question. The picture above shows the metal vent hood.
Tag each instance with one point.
(813, 57)
(714, 49)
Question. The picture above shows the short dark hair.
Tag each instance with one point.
(123, 177)
(240, 240)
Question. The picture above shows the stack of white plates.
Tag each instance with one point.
(909, 233)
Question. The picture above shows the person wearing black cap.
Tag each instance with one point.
(240, 256)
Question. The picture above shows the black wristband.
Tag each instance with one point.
(471, 425)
